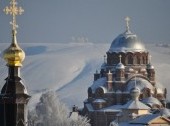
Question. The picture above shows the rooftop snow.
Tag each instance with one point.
(135, 104)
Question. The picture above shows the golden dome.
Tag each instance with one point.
(14, 55)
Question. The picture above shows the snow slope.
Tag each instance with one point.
(68, 68)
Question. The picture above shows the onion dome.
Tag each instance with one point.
(120, 65)
(14, 55)
(127, 42)
(150, 66)
(135, 92)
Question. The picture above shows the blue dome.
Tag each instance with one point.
(127, 42)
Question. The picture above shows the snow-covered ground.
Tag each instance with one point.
(68, 68)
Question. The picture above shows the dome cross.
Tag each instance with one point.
(13, 55)
(13, 10)
(127, 19)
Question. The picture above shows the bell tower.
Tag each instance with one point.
(14, 96)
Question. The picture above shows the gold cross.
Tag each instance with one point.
(13, 10)
(127, 19)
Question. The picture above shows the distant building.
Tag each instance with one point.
(14, 96)
(125, 88)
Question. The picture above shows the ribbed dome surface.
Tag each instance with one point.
(127, 42)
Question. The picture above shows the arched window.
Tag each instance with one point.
(99, 92)
(130, 59)
(114, 59)
(143, 58)
(138, 60)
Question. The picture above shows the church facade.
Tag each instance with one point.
(125, 87)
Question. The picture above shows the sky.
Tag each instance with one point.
(57, 21)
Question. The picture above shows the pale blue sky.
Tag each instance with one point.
(98, 20)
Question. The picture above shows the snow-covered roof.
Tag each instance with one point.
(145, 119)
(160, 88)
(165, 112)
(140, 83)
(99, 101)
(98, 83)
(120, 66)
(160, 91)
(114, 108)
(151, 100)
(74, 116)
(135, 104)
(89, 107)
(127, 124)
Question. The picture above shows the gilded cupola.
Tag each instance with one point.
(14, 55)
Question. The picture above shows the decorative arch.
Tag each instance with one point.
(137, 75)
(138, 58)
(100, 91)
(144, 58)
(129, 58)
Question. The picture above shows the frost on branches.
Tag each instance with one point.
(50, 111)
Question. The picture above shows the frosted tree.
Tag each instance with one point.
(50, 111)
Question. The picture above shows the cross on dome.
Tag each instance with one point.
(127, 19)
(14, 55)
(13, 10)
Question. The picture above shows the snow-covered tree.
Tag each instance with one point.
(50, 111)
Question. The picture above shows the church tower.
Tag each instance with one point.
(14, 96)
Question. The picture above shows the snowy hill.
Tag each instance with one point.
(68, 68)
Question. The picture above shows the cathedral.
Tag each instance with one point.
(124, 92)
(14, 96)
(125, 89)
